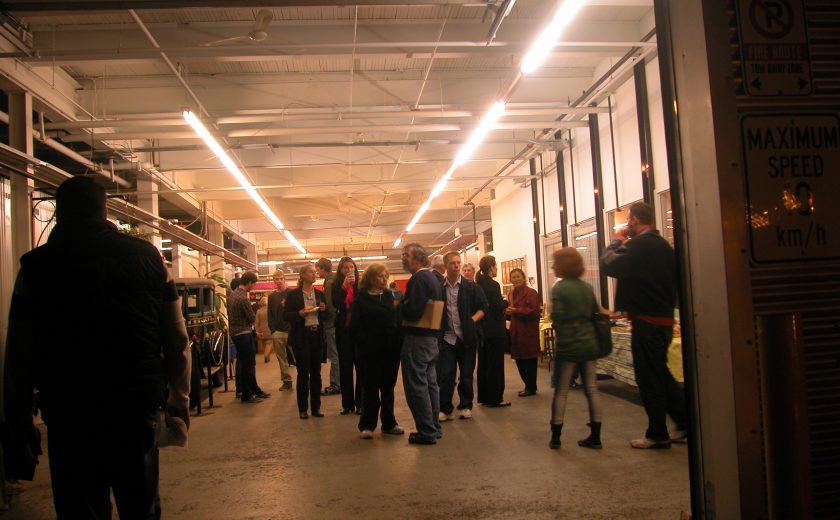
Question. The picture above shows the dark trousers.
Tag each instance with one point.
(528, 372)
(380, 379)
(246, 363)
(351, 396)
(88, 461)
(659, 390)
(462, 357)
(308, 356)
(490, 376)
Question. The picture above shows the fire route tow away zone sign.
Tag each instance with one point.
(792, 166)
(774, 47)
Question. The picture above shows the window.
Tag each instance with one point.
(192, 300)
(584, 238)
(207, 303)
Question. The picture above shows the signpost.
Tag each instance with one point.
(792, 162)
(774, 47)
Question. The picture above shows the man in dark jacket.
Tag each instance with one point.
(122, 340)
(465, 306)
(643, 262)
(420, 347)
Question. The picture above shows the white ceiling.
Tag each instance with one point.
(347, 115)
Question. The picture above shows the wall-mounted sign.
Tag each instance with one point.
(774, 47)
(792, 166)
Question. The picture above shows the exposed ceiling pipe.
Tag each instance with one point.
(72, 154)
(324, 184)
(503, 11)
(343, 144)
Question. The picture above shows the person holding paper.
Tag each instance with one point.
(420, 346)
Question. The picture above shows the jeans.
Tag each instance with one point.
(281, 341)
(661, 395)
(462, 356)
(419, 356)
(490, 378)
(116, 454)
(308, 358)
(332, 355)
(564, 371)
(380, 379)
(246, 360)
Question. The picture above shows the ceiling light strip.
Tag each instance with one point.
(535, 56)
(240, 177)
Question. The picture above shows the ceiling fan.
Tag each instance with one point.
(257, 34)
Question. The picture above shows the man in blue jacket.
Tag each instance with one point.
(420, 347)
(643, 262)
(465, 306)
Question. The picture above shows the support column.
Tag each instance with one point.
(535, 207)
(147, 199)
(21, 138)
(643, 118)
(561, 192)
(598, 182)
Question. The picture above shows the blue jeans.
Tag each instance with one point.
(461, 357)
(332, 355)
(419, 356)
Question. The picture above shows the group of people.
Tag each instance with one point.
(357, 322)
(375, 331)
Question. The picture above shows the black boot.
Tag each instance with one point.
(594, 439)
(555, 436)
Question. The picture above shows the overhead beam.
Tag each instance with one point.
(34, 6)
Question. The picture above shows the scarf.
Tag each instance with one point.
(348, 302)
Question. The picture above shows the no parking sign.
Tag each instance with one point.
(774, 47)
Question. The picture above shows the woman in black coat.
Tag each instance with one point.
(373, 326)
(345, 288)
(304, 309)
(491, 357)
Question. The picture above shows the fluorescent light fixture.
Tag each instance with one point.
(619, 226)
(398, 241)
(240, 177)
(165, 240)
(545, 41)
(584, 248)
(478, 135)
(166, 249)
(272, 262)
(473, 142)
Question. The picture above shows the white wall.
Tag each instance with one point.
(513, 227)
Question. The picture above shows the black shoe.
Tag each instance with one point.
(416, 438)
(252, 399)
(304, 415)
(500, 404)
(346, 411)
(263, 395)
(317, 413)
(526, 393)
(287, 385)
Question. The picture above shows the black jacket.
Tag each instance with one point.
(276, 302)
(471, 299)
(646, 273)
(108, 321)
(493, 324)
(294, 304)
(373, 325)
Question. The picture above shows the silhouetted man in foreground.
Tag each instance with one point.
(122, 338)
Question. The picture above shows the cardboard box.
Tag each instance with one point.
(431, 318)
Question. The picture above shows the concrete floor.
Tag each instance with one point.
(260, 461)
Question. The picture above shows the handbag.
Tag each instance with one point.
(603, 334)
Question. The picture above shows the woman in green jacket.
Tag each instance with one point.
(572, 305)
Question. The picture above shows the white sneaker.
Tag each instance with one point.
(466, 413)
(366, 434)
(443, 417)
